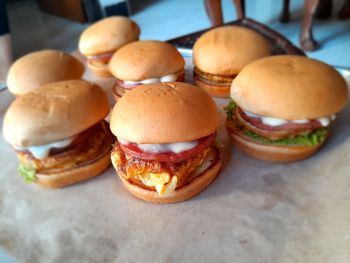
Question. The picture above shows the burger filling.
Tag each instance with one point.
(122, 86)
(162, 167)
(100, 60)
(211, 79)
(70, 153)
(275, 131)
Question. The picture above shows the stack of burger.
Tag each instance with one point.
(145, 62)
(102, 39)
(282, 107)
(59, 134)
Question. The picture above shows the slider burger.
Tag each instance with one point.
(221, 53)
(59, 133)
(283, 106)
(165, 150)
(99, 41)
(145, 62)
(43, 67)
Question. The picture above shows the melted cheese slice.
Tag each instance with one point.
(325, 121)
(166, 78)
(160, 182)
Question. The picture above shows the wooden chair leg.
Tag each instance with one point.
(213, 9)
(345, 11)
(239, 5)
(306, 39)
(285, 15)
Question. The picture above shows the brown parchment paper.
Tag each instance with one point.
(255, 211)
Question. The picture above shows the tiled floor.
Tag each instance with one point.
(165, 19)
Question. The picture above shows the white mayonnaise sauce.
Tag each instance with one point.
(325, 121)
(42, 151)
(165, 147)
(166, 78)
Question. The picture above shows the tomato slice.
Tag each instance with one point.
(169, 157)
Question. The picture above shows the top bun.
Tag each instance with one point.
(42, 67)
(226, 50)
(164, 113)
(54, 112)
(108, 35)
(146, 59)
(290, 87)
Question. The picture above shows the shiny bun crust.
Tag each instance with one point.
(54, 112)
(187, 191)
(102, 71)
(42, 67)
(270, 152)
(212, 89)
(226, 50)
(108, 35)
(146, 59)
(75, 175)
(290, 87)
(164, 113)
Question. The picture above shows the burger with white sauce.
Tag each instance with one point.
(282, 107)
(165, 150)
(59, 133)
(145, 62)
(99, 41)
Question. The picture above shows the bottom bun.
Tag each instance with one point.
(196, 185)
(74, 175)
(212, 89)
(268, 152)
(100, 71)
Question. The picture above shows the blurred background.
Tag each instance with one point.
(38, 24)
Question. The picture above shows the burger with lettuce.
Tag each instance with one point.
(282, 107)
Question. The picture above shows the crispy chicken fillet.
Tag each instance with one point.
(133, 168)
(87, 147)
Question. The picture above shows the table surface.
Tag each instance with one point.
(294, 212)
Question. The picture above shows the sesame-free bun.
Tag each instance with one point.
(226, 50)
(108, 35)
(54, 112)
(38, 68)
(187, 191)
(269, 152)
(164, 113)
(146, 59)
(100, 71)
(290, 87)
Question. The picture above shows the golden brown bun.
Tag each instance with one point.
(269, 152)
(290, 87)
(213, 90)
(38, 68)
(226, 50)
(72, 176)
(197, 185)
(146, 59)
(54, 112)
(108, 35)
(101, 71)
(164, 113)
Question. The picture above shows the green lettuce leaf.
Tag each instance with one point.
(309, 139)
(27, 173)
(230, 109)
